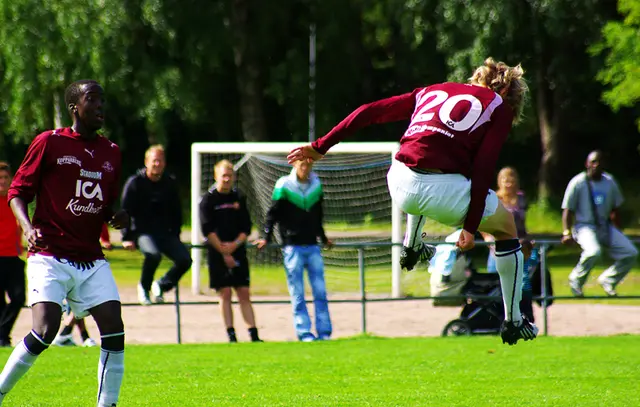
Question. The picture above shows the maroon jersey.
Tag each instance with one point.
(75, 183)
(456, 128)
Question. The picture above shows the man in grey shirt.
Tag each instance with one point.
(590, 217)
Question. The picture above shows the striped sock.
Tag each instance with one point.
(412, 237)
(510, 265)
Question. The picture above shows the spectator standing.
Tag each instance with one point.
(12, 279)
(297, 209)
(151, 197)
(590, 217)
(226, 224)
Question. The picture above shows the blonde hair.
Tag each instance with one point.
(501, 193)
(156, 148)
(506, 81)
(222, 165)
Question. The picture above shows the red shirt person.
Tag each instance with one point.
(73, 174)
(11, 265)
(444, 167)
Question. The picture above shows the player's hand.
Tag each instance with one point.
(127, 245)
(106, 245)
(228, 247)
(229, 261)
(466, 241)
(328, 244)
(304, 153)
(260, 243)
(35, 241)
(119, 220)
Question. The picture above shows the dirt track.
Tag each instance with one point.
(202, 323)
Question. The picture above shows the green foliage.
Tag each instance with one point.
(622, 48)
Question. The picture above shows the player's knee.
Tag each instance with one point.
(153, 257)
(244, 295)
(35, 343)
(592, 254)
(112, 342)
(184, 264)
(46, 330)
(225, 294)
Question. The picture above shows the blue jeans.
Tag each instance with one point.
(296, 258)
(153, 247)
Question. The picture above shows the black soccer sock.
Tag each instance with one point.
(84, 334)
(66, 330)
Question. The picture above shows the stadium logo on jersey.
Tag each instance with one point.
(90, 174)
(69, 159)
(88, 189)
(107, 166)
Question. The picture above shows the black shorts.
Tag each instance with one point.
(220, 276)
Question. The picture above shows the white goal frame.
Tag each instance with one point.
(197, 149)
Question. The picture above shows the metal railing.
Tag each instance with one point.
(544, 298)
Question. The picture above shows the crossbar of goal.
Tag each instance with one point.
(198, 149)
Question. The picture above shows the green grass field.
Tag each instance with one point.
(465, 371)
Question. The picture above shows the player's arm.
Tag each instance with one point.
(569, 205)
(24, 187)
(386, 110)
(117, 219)
(618, 199)
(484, 166)
(245, 221)
(176, 207)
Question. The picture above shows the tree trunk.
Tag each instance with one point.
(254, 127)
(547, 121)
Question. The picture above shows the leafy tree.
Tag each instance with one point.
(622, 48)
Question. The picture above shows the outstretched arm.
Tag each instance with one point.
(387, 110)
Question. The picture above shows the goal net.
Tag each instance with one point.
(357, 206)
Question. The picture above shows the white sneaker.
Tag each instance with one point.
(143, 296)
(89, 343)
(157, 292)
(64, 340)
(609, 289)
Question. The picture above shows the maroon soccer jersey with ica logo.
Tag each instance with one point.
(75, 183)
(457, 128)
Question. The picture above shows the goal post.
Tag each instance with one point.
(367, 160)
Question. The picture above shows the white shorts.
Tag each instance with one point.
(444, 198)
(51, 280)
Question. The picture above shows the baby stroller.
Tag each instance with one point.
(479, 316)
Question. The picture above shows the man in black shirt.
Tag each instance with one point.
(226, 224)
(152, 199)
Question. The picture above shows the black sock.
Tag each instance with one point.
(66, 330)
(231, 332)
(84, 334)
(253, 333)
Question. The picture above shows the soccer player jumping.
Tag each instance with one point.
(73, 175)
(445, 166)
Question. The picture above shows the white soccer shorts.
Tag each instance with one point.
(444, 198)
(51, 280)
